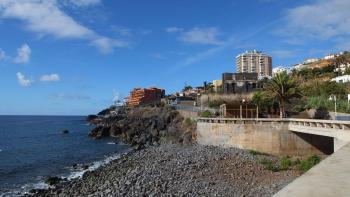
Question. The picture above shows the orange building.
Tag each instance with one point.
(144, 96)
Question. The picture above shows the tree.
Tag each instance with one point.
(283, 88)
(187, 87)
(261, 100)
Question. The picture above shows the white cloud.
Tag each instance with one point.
(84, 3)
(106, 45)
(50, 77)
(2, 54)
(66, 96)
(283, 53)
(23, 81)
(23, 54)
(201, 36)
(46, 18)
(173, 29)
(322, 19)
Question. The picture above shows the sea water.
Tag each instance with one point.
(33, 148)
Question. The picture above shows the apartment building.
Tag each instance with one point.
(145, 96)
(254, 62)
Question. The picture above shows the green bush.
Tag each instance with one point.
(189, 121)
(216, 103)
(285, 163)
(268, 164)
(322, 102)
(207, 114)
(308, 163)
(253, 152)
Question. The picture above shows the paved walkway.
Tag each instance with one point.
(329, 178)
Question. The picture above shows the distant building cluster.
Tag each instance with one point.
(280, 69)
(145, 96)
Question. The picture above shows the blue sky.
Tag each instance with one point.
(69, 57)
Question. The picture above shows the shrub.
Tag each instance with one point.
(285, 163)
(216, 103)
(308, 163)
(254, 152)
(268, 164)
(207, 114)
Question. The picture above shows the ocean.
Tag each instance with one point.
(33, 148)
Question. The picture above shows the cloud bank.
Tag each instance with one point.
(46, 17)
(320, 20)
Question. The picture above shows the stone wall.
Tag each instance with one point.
(269, 137)
(188, 114)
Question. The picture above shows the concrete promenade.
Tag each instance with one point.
(329, 178)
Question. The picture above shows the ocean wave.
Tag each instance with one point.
(80, 172)
(75, 172)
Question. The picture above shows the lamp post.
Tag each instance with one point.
(240, 108)
(334, 98)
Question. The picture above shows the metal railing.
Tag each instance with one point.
(322, 124)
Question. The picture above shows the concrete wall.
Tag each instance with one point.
(188, 114)
(269, 137)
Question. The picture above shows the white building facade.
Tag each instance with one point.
(341, 79)
(254, 62)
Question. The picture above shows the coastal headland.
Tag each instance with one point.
(165, 160)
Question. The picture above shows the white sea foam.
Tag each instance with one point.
(78, 173)
(111, 143)
(94, 166)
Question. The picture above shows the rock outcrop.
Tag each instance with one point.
(144, 126)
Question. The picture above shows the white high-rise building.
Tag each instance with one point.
(254, 62)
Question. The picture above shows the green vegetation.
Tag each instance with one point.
(216, 103)
(187, 87)
(262, 101)
(307, 88)
(285, 163)
(189, 121)
(254, 152)
(207, 114)
(269, 165)
(308, 163)
(283, 88)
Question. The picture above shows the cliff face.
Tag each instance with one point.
(144, 126)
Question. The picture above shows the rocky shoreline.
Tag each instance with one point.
(179, 170)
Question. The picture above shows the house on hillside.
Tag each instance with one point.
(280, 69)
(341, 79)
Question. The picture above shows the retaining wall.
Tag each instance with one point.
(269, 137)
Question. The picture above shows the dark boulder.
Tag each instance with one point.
(65, 131)
(91, 118)
(99, 132)
(53, 180)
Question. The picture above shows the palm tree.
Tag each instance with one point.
(283, 88)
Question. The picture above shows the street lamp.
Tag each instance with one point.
(334, 98)
(240, 108)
